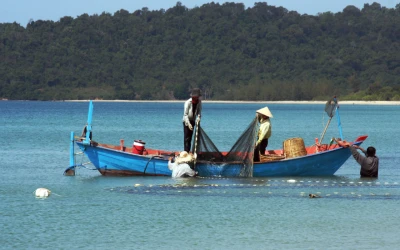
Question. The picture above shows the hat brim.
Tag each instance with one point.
(195, 93)
(188, 158)
(265, 111)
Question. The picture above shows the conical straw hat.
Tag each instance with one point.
(265, 111)
(184, 157)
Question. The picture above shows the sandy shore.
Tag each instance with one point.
(264, 102)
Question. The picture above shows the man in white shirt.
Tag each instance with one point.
(181, 167)
(191, 113)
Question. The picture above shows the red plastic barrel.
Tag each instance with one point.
(138, 147)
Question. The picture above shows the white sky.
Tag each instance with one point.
(21, 11)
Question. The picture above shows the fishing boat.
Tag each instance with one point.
(318, 160)
(313, 160)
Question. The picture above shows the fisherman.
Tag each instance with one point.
(264, 132)
(191, 115)
(369, 163)
(181, 167)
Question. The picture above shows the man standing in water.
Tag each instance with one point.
(181, 167)
(369, 163)
(192, 110)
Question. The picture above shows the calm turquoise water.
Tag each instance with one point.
(89, 211)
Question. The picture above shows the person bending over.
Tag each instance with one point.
(181, 167)
(369, 163)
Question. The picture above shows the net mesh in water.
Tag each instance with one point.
(237, 162)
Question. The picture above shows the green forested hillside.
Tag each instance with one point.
(232, 53)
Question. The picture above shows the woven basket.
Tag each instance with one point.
(272, 157)
(294, 147)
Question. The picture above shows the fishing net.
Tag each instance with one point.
(330, 107)
(237, 162)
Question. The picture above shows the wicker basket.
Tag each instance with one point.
(271, 157)
(294, 147)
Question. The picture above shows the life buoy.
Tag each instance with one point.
(42, 192)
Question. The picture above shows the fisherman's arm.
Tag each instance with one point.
(186, 113)
(360, 148)
(170, 164)
(189, 171)
(357, 156)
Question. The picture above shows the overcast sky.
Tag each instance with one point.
(21, 11)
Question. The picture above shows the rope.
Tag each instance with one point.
(154, 156)
(326, 127)
(82, 165)
(195, 142)
(147, 164)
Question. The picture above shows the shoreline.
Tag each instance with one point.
(391, 103)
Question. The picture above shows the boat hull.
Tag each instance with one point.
(110, 161)
(319, 164)
(115, 162)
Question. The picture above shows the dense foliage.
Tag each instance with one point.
(231, 53)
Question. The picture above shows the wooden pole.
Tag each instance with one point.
(323, 133)
(195, 143)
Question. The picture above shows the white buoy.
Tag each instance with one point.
(42, 192)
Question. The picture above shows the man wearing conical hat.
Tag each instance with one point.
(181, 167)
(264, 132)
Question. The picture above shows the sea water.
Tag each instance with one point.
(90, 211)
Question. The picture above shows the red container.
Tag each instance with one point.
(138, 147)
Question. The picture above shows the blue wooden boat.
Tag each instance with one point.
(319, 160)
(322, 160)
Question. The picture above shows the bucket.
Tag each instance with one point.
(294, 147)
(138, 147)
